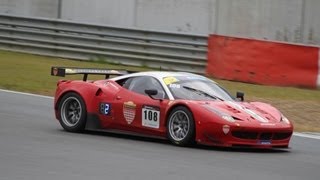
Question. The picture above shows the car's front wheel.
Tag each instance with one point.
(180, 126)
(72, 112)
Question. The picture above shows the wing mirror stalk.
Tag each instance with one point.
(151, 93)
(240, 96)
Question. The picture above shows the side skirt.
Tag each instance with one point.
(93, 124)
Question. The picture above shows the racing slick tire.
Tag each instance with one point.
(180, 126)
(73, 112)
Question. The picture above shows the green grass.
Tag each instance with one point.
(261, 91)
(31, 73)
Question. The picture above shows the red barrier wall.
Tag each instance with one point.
(262, 62)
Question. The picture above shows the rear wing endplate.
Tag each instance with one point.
(63, 71)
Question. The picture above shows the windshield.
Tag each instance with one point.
(196, 88)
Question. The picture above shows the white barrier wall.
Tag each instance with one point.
(268, 19)
(311, 23)
(38, 8)
(183, 15)
(283, 20)
(112, 12)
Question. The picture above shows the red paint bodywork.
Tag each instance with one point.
(208, 125)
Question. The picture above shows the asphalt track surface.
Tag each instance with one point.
(34, 146)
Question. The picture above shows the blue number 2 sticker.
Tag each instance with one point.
(105, 108)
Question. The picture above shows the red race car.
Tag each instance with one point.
(182, 107)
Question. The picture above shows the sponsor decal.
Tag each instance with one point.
(114, 71)
(264, 142)
(268, 124)
(175, 86)
(70, 71)
(196, 77)
(55, 71)
(170, 80)
(225, 129)
(150, 116)
(129, 111)
(102, 71)
(105, 108)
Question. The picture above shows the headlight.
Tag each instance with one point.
(284, 119)
(228, 118)
(223, 115)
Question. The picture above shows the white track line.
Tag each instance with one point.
(27, 94)
(305, 135)
(311, 136)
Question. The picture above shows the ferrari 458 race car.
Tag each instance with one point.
(182, 107)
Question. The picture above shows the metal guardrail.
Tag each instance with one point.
(61, 38)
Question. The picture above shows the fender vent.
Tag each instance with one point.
(280, 136)
(262, 136)
(245, 135)
(265, 136)
(99, 92)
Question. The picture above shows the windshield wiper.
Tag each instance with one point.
(203, 93)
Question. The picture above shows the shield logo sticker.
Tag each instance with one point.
(55, 71)
(225, 129)
(129, 111)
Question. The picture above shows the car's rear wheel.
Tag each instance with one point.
(72, 112)
(180, 126)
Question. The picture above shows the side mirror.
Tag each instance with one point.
(153, 92)
(240, 96)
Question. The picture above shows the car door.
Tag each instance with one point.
(136, 111)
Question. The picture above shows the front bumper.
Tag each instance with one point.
(252, 137)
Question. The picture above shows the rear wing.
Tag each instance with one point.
(63, 71)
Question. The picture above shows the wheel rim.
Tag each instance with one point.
(71, 111)
(179, 125)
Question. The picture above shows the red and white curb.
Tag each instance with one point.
(318, 77)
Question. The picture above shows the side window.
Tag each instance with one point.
(139, 84)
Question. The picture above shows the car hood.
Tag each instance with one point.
(244, 111)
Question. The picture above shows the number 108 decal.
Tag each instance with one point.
(150, 116)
